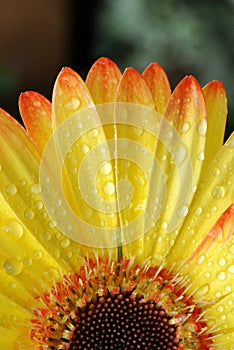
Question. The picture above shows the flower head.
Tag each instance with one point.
(117, 215)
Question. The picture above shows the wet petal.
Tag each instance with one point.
(216, 107)
(157, 81)
(213, 196)
(133, 89)
(35, 110)
(70, 95)
(102, 80)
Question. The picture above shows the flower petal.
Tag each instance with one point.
(102, 80)
(157, 81)
(70, 95)
(216, 107)
(133, 89)
(213, 196)
(35, 110)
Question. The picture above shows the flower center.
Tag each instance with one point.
(111, 305)
(124, 321)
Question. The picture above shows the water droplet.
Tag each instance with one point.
(163, 157)
(93, 133)
(27, 262)
(207, 275)
(46, 236)
(202, 127)
(29, 214)
(65, 242)
(84, 148)
(12, 285)
(38, 205)
(164, 225)
(198, 211)
(103, 150)
(218, 192)
(57, 202)
(37, 103)
(185, 128)
(73, 103)
(56, 253)
(231, 249)
(183, 211)
(222, 262)
(221, 276)
(37, 254)
(11, 189)
(231, 269)
(13, 267)
(109, 188)
(35, 188)
(194, 188)
(201, 259)
(106, 168)
(216, 172)
(220, 308)
(228, 288)
(14, 229)
(179, 154)
(79, 125)
(201, 156)
(169, 135)
(137, 131)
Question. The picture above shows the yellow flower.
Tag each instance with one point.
(117, 215)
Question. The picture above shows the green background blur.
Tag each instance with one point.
(186, 37)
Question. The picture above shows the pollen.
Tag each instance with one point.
(119, 306)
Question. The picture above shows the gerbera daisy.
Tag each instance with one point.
(117, 215)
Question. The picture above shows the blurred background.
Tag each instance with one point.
(38, 38)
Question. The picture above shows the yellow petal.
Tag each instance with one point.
(35, 110)
(102, 80)
(133, 89)
(70, 95)
(157, 81)
(179, 153)
(213, 196)
(216, 107)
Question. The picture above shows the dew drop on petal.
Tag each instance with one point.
(201, 259)
(85, 148)
(221, 276)
(73, 103)
(46, 236)
(35, 188)
(13, 267)
(64, 243)
(230, 269)
(216, 171)
(198, 211)
(14, 229)
(179, 154)
(201, 156)
(38, 205)
(169, 135)
(93, 133)
(182, 211)
(106, 168)
(27, 262)
(218, 192)
(109, 188)
(37, 254)
(222, 262)
(29, 214)
(11, 189)
(185, 127)
(202, 127)
(231, 249)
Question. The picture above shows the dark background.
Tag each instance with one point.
(38, 38)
